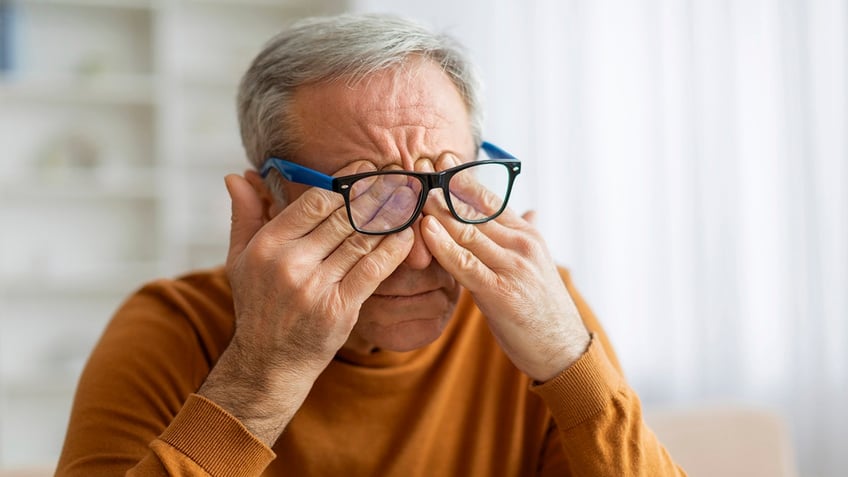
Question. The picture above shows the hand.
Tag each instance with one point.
(507, 268)
(298, 280)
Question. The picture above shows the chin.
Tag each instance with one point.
(409, 336)
(405, 322)
(401, 331)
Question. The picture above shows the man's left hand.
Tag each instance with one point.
(506, 266)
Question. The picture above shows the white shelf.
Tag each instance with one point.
(75, 184)
(117, 278)
(132, 90)
(219, 82)
(30, 289)
(287, 6)
(117, 4)
(216, 154)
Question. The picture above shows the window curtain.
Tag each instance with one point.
(688, 162)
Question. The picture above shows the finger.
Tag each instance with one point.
(384, 202)
(470, 197)
(500, 233)
(393, 212)
(446, 161)
(468, 269)
(491, 243)
(247, 214)
(374, 267)
(424, 165)
(529, 217)
(309, 211)
(471, 200)
(347, 255)
(303, 215)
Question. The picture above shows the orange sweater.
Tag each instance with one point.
(456, 407)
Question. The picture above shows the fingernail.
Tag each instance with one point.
(364, 166)
(447, 160)
(424, 165)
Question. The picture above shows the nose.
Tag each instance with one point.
(419, 257)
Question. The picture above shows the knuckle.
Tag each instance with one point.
(490, 202)
(360, 244)
(373, 265)
(383, 259)
(339, 219)
(320, 203)
(528, 245)
(467, 234)
(317, 204)
(465, 260)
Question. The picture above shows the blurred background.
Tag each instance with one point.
(687, 159)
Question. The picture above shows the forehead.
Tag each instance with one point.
(391, 116)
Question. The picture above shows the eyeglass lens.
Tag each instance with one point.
(385, 202)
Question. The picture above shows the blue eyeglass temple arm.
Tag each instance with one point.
(303, 175)
(495, 152)
(297, 173)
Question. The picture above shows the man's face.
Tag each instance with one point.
(399, 118)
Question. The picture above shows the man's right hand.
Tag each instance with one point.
(299, 280)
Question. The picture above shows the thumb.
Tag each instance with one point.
(247, 214)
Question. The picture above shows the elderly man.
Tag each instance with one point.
(381, 312)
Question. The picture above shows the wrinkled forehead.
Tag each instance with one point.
(390, 116)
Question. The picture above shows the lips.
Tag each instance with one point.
(411, 284)
(405, 294)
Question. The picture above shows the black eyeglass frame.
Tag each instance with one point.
(429, 181)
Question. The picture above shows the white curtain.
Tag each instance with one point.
(688, 161)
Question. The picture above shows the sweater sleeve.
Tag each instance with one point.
(192, 444)
(598, 418)
(135, 412)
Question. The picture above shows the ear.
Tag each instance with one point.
(270, 207)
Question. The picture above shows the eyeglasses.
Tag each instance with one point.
(384, 202)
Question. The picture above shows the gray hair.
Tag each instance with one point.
(325, 49)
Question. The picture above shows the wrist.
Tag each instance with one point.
(573, 348)
(263, 397)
